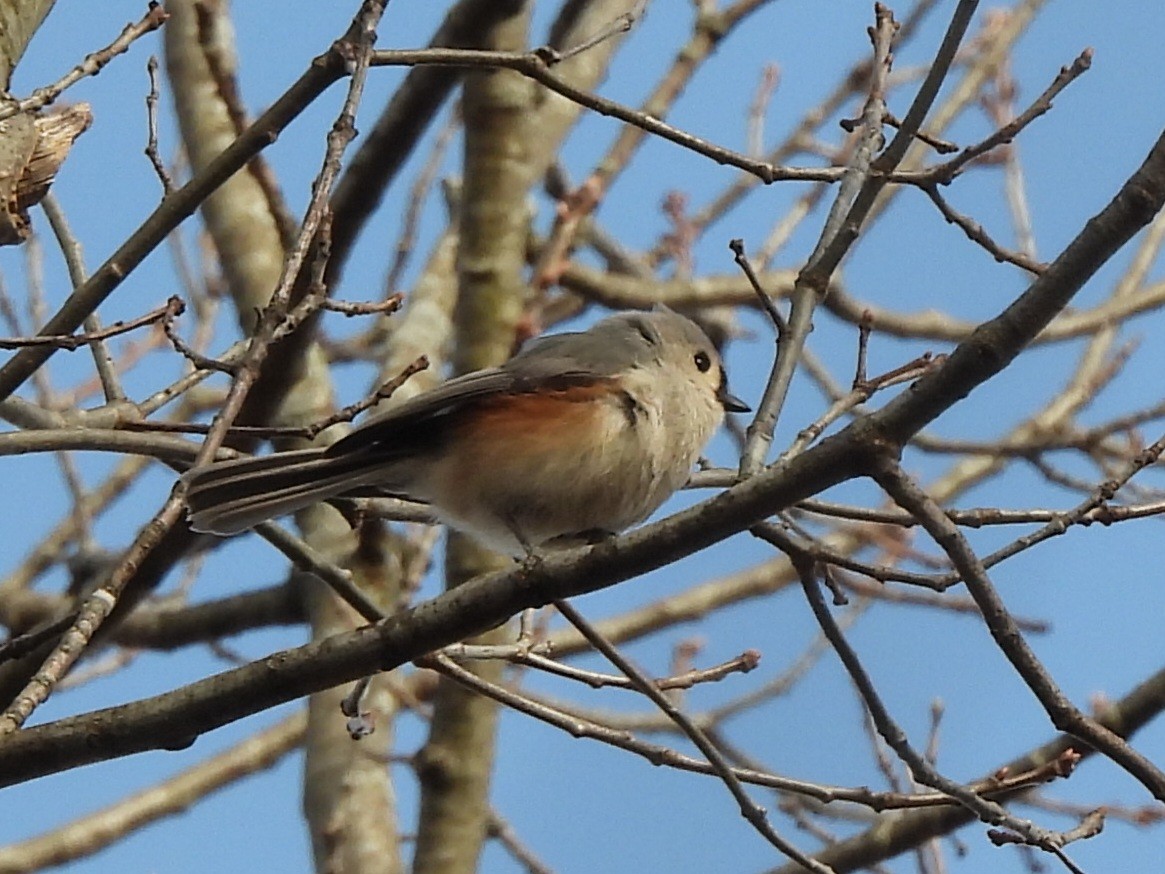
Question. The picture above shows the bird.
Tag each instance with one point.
(579, 436)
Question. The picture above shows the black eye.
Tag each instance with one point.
(703, 361)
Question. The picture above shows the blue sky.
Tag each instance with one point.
(1100, 589)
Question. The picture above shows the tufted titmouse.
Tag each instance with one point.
(576, 437)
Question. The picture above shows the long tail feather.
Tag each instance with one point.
(231, 496)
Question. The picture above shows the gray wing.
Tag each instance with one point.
(556, 362)
(424, 421)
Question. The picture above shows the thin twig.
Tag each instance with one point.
(944, 173)
(1064, 715)
(199, 361)
(985, 809)
(766, 87)
(364, 308)
(766, 302)
(525, 655)
(504, 833)
(91, 65)
(751, 811)
(976, 234)
(308, 558)
(622, 24)
(534, 66)
(173, 307)
(840, 230)
(75, 262)
(943, 147)
(864, 330)
(151, 149)
(384, 392)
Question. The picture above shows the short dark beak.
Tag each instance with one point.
(731, 402)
